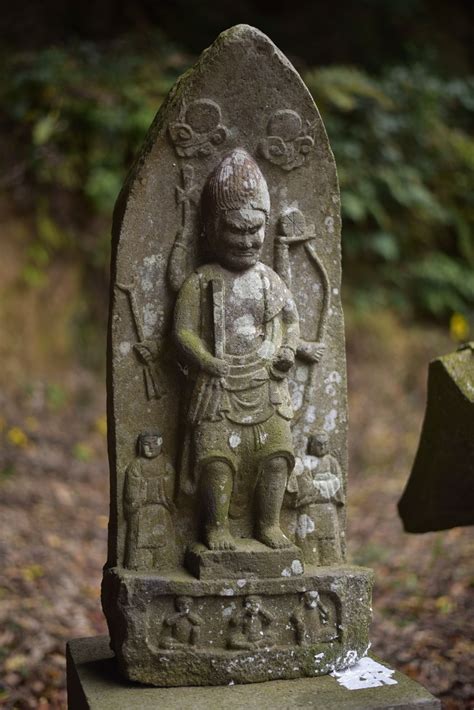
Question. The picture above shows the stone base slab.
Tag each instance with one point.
(94, 683)
(250, 559)
(175, 630)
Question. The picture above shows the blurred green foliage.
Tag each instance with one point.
(75, 117)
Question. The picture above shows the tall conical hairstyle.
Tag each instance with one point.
(235, 182)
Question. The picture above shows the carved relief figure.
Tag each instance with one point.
(236, 326)
(199, 129)
(252, 626)
(148, 506)
(288, 142)
(311, 620)
(182, 628)
(320, 494)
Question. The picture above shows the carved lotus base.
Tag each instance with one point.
(173, 630)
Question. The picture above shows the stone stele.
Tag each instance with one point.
(227, 388)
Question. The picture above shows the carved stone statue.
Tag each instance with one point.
(251, 627)
(311, 620)
(237, 328)
(226, 561)
(320, 495)
(148, 506)
(182, 627)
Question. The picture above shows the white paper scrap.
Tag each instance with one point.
(366, 673)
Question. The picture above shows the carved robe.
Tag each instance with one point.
(242, 417)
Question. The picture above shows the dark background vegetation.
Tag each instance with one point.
(80, 85)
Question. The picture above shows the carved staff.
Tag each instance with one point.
(152, 389)
(185, 196)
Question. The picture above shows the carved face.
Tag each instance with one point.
(252, 604)
(318, 446)
(150, 446)
(311, 599)
(237, 238)
(183, 604)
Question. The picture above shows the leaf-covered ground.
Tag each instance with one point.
(53, 513)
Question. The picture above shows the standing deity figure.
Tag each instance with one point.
(320, 495)
(236, 326)
(148, 506)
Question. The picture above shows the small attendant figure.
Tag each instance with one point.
(251, 626)
(148, 506)
(320, 494)
(183, 627)
(311, 620)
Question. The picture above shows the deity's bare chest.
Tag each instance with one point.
(244, 307)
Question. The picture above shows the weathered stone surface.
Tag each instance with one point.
(244, 630)
(227, 387)
(251, 559)
(440, 491)
(94, 684)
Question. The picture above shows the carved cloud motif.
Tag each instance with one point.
(288, 142)
(199, 130)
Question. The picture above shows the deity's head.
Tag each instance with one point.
(253, 603)
(311, 599)
(183, 604)
(149, 444)
(318, 444)
(235, 208)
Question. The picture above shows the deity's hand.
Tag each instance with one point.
(145, 351)
(284, 359)
(311, 352)
(216, 367)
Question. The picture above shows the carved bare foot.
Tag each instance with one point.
(219, 539)
(273, 537)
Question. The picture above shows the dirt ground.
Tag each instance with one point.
(54, 505)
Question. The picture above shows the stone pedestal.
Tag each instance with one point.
(250, 560)
(173, 630)
(94, 683)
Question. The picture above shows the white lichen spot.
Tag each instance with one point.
(302, 373)
(305, 526)
(330, 390)
(226, 592)
(329, 224)
(234, 440)
(334, 376)
(266, 350)
(335, 291)
(286, 572)
(296, 567)
(241, 583)
(245, 326)
(125, 347)
(228, 611)
(310, 416)
(150, 318)
(330, 420)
